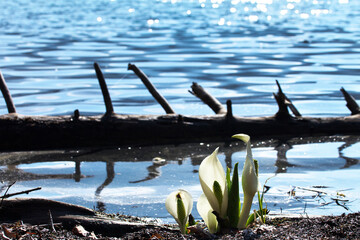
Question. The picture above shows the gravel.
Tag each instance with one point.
(326, 227)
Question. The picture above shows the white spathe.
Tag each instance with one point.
(211, 170)
(250, 181)
(171, 204)
(205, 211)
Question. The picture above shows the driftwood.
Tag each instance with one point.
(24, 132)
(20, 132)
(19, 209)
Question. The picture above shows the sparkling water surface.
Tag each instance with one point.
(234, 49)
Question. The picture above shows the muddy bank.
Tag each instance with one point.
(41, 218)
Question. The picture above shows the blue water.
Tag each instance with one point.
(126, 180)
(235, 49)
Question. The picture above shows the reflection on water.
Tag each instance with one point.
(154, 171)
(110, 174)
(307, 174)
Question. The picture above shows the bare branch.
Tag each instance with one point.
(19, 193)
(154, 92)
(6, 93)
(350, 102)
(104, 90)
(206, 97)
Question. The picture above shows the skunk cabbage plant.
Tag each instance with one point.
(179, 204)
(220, 205)
(222, 192)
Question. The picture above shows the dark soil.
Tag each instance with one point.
(327, 227)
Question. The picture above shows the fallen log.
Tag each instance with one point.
(20, 132)
(35, 210)
(45, 132)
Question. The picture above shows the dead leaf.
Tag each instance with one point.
(81, 232)
(2, 236)
(156, 236)
(8, 233)
(200, 231)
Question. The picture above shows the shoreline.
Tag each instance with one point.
(61, 220)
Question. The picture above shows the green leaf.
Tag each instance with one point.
(260, 199)
(233, 210)
(228, 181)
(252, 216)
(251, 219)
(218, 192)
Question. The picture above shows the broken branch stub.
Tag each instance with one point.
(158, 97)
(285, 102)
(104, 90)
(207, 98)
(6, 93)
(283, 110)
(350, 102)
(229, 113)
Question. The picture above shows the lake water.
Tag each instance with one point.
(235, 49)
(321, 175)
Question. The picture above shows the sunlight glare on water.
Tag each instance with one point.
(48, 49)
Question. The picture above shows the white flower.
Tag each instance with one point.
(250, 182)
(179, 204)
(205, 211)
(213, 183)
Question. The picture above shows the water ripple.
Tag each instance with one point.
(235, 49)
